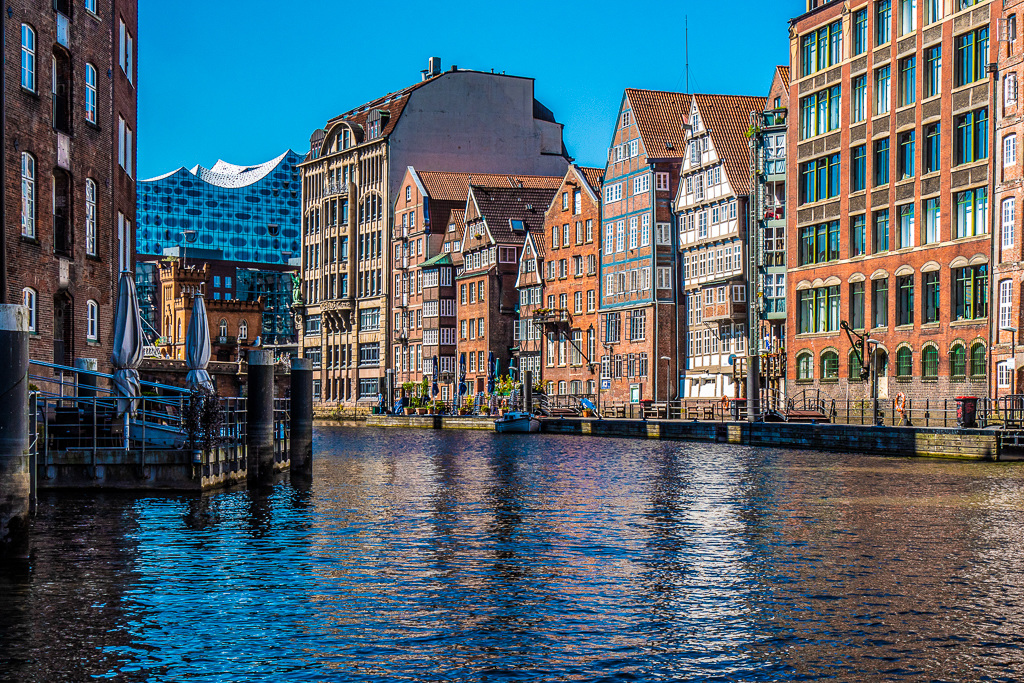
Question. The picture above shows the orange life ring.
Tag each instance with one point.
(725, 402)
(901, 402)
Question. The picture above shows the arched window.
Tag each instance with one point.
(930, 362)
(177, 336)
(28, 195)
(855, 367)
(29, 300)
(958, 362)
(977, 360)
(882, 363)
(563, 388)
(805, 367)
(90, 93)
(90, 216)
(904, 362)
(92, 320)
(830, 365)
(243, 330)
(28, 58)
(223, 331)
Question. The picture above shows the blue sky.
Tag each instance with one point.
(243, 81)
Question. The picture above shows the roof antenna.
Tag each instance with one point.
(687, 25)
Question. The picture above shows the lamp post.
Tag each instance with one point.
(874, 379)
(185, 235)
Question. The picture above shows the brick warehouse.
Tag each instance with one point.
(1008, 205)
(69, 161)
(639, 299)
(559, 283)
(891, 184)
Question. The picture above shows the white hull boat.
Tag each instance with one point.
(522, 423)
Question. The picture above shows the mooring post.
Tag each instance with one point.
(528, 390)
(15, 480)
(259, 428)
(301, 410)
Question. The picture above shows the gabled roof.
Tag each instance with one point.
(594, 178)
(441, 186)
(727, 119)
(659, 117)
(501, 205)
(784, 75)
(457, 218)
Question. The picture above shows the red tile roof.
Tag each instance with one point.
(500, 205)
(454, 187)
(727, 119)
(594, 178)
(659, 116)
(784, 73)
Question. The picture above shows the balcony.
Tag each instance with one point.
(556, 320)
(333, 188)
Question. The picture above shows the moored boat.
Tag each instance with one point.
(517, 422)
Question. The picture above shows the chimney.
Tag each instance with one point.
(434, 67)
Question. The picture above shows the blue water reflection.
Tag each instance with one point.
(478, 557)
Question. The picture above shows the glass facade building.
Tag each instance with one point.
(242, 220)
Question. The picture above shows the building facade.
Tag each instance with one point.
(69, 159)
(558, 286)
(639, 298)
(1008, 271)
(713, 216)
(351, 183)
(243, 222)
(890, 160)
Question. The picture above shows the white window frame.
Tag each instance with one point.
(30, 300)
(126, 50)
(28, 58)
(90, 217)
(90, 93)
(124, 146)
(28, 195)
(1009, 150)
(1005, 304)
(92, 320)
(1009, 211)
(661, 181)
(665, 277)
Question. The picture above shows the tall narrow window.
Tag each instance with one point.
(908, 81)
(1009, 150)
(92, 320)
(930, 305)
(30, 300)
(931, 220)
(858, 238)
(932, 148)
(905, 300)
(860, 32)
(28, 58)
(857, 305)
(881, 161)
(90, 217)
(882, 90)
(124, 148)
(932, 11)
(90, 5)
(906, 234)
(125, 57)
(858, 105)
(124, 242)
(1010, 90)
(906, 154)
(880, 241)
(880, 303)
(907, 16)
(1005, 304)
(932, 71)
(28, 195)
(1009, 220)
(90, 93)
(883, 21)
(858, 168)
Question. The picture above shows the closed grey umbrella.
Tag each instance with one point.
(197, 346)
(127, 354)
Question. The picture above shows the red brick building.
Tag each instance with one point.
(69, 160)
(889, 187)
(429, 220)
(639, 298)
(497, 221)
(558, 285)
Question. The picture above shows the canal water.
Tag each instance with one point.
(460, 556)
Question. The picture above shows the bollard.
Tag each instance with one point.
(302, 415)
(259, 428)
(14, 442)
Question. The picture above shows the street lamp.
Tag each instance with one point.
(874, 379)
(1013, 356)
(186, 235)
(667, 367)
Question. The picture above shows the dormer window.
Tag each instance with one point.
(374, 129)
(517, 225)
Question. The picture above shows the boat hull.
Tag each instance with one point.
(520, 424)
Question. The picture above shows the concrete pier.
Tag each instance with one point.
(259, 430)
(301, 429)
(15, 482)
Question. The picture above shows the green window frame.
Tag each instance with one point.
(819, 112)
(819, 243)
(857, 305)
(858, 168)
(971, 141)
(908, 81)
(932, 148)
(821, 49)
(829, 366)
(805, 367)
(905, 300)
(906, 153)
(859, 101)
(881, 162)
(958, 362)
(930, 363)
(860, 32)
(971, 57)
(930, 305)
(858, 235)
(977, 360)
(880, 303)
(970, 293)
(930, 232)
(883, 22)
(883, 89)
(971, 217)
(819, 310)
(906, 226)
(932, 71)
(904, 363)
(880, 234)
(819, 179)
